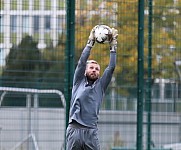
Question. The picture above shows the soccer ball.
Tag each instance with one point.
(103, 34)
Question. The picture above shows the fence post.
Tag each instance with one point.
(28, 105)
(149, 86)
(140, 77)
(69, 54)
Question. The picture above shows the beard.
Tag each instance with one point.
(91, 77)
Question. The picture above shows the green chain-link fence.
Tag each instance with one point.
(40, 43)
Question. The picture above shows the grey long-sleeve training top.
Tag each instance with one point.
(86, 100)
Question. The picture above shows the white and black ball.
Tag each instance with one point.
(103, 34)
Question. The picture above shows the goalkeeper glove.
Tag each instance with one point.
(113, 42)
(91, 40)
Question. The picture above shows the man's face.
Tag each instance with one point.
(92, 71)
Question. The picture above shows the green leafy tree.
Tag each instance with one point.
(22, 65)
(21, 70)
(165, 44)
(53, 66)
(28, 67)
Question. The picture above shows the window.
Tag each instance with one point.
(36, 23)
(61, 4)
(2, 5)
(169, 90)
(25, 21)
(2, 57)
(47, 23)
(13, 23)
(156, 91)
(13, 5)
(1, 24)
(179, 91)
(25, 4)
(36, 4)
(60, 23)
(48, 4)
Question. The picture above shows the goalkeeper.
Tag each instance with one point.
(87, 94)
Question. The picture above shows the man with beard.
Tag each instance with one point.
(87, 95)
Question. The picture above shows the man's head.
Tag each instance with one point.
(92, 71)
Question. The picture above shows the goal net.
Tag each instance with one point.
(29, 143)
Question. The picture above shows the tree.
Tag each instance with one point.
(21, 70)
(164, 38)
(22, 64)
(28, 67)
(53, 66)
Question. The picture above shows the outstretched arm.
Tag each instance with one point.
(81, 66)
(107, 75)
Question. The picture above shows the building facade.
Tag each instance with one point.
(44, 20)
